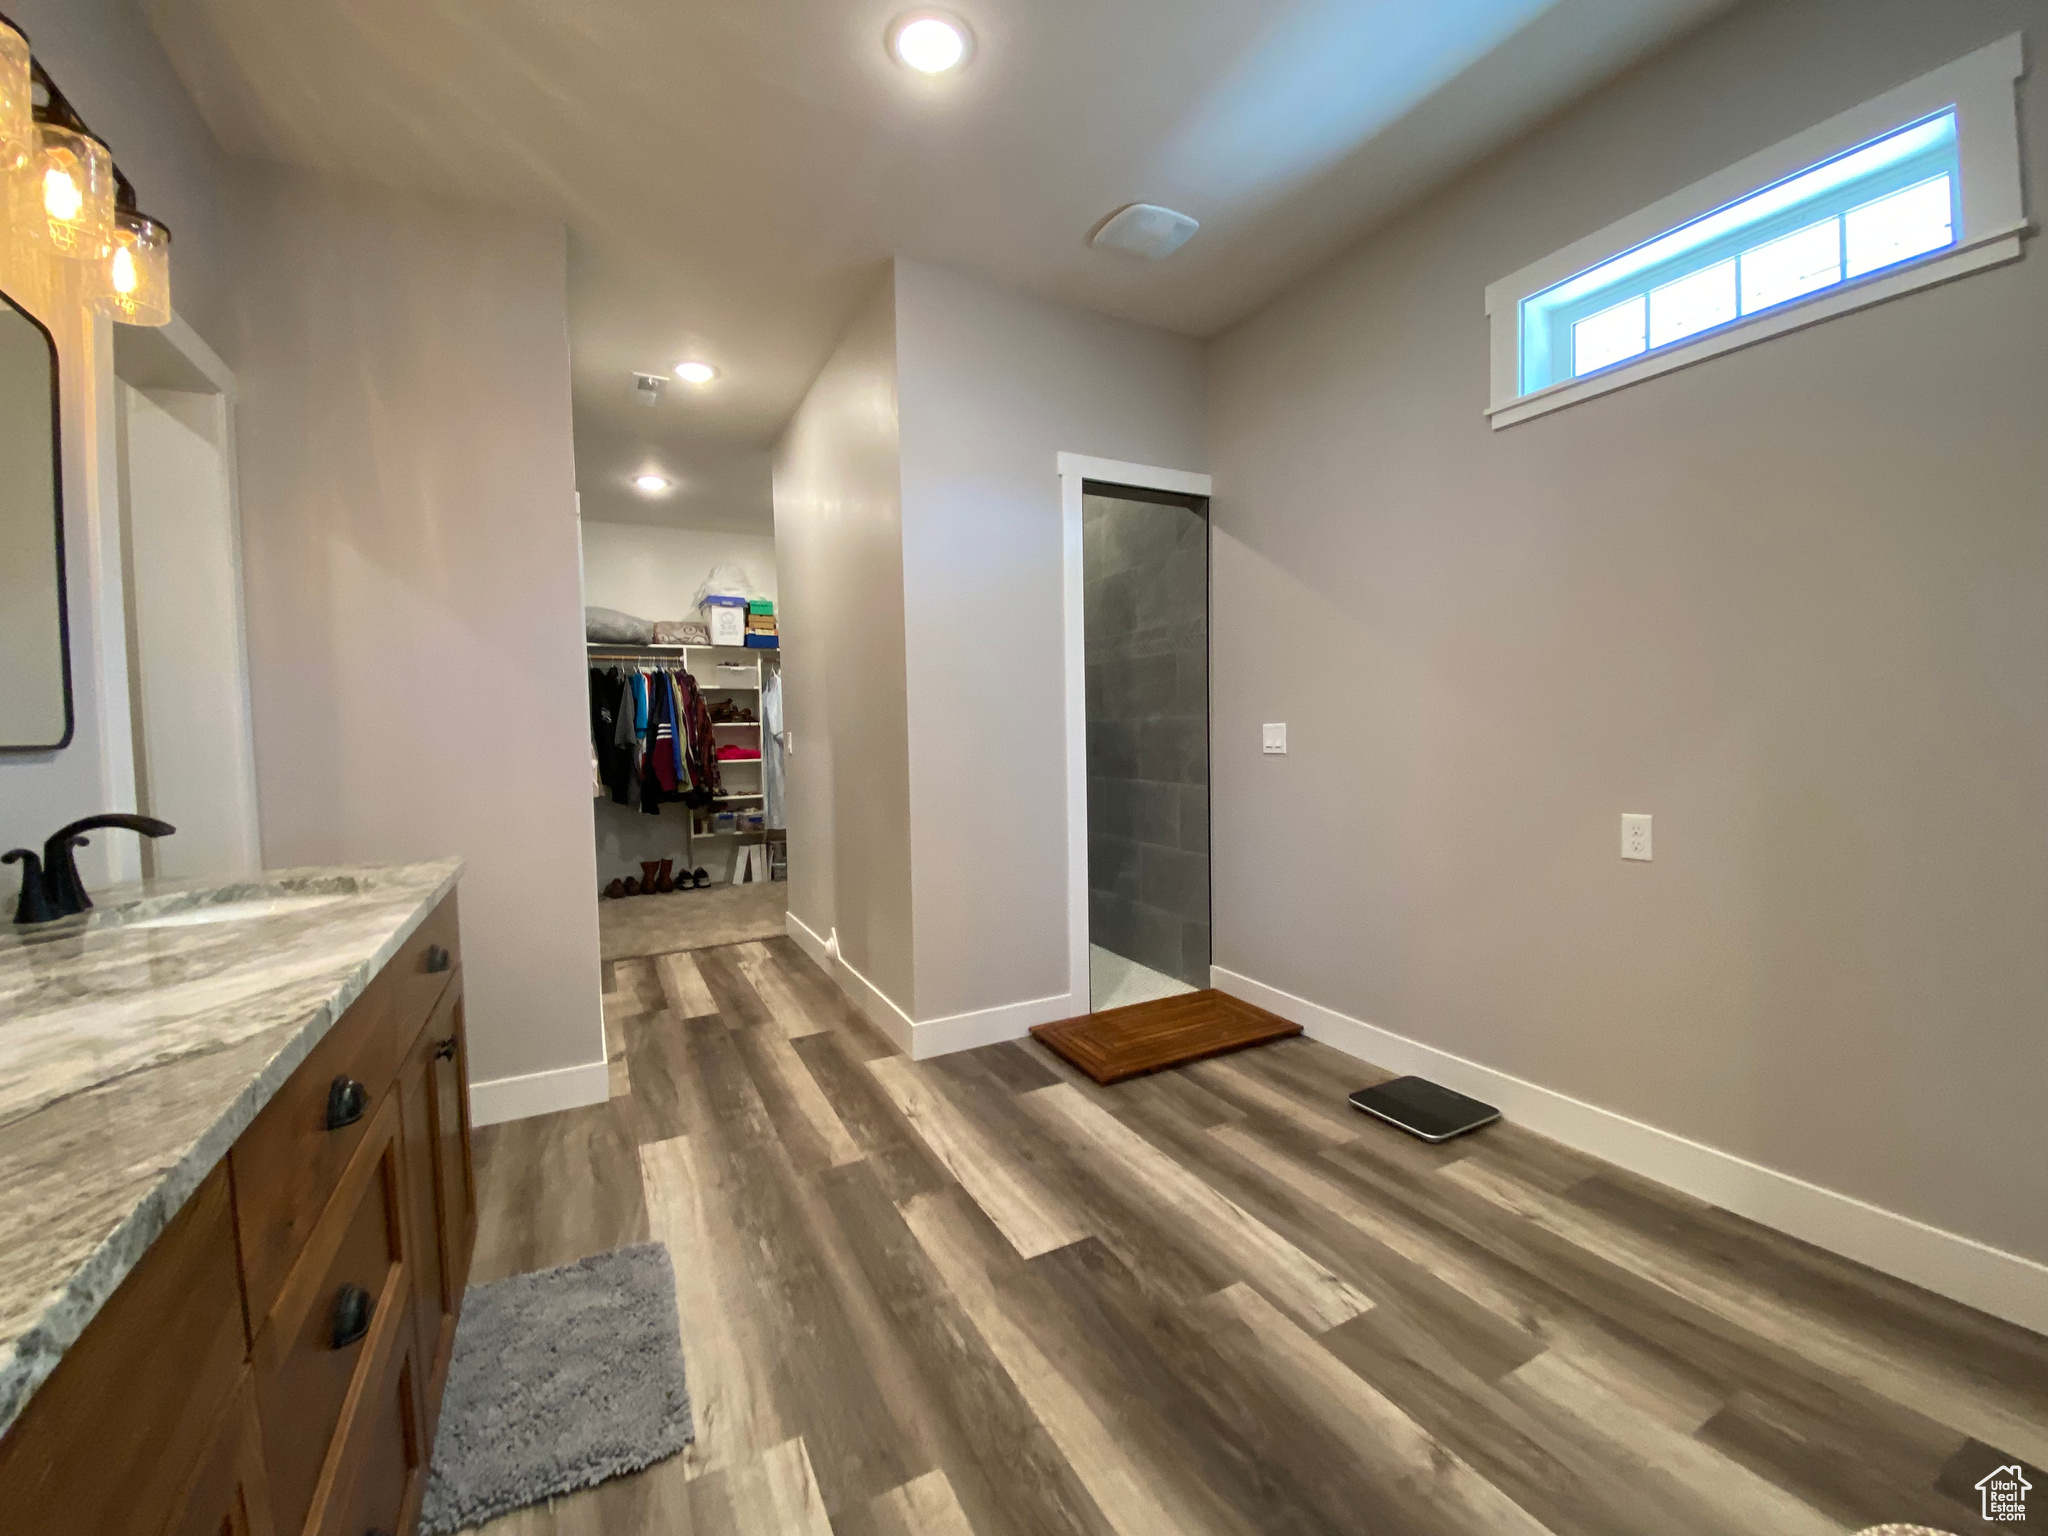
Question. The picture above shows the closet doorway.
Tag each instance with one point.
(1143, 577)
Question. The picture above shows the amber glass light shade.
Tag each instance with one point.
(17, 100)
(135, 284)
(64, 198)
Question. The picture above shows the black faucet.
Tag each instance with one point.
(50, 887)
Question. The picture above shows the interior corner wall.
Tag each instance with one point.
(839, 559)
(1792, 601)
(410, 556)
(994, 386)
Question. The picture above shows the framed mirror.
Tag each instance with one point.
(35, 648)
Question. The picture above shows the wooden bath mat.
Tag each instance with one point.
(1149, 1037)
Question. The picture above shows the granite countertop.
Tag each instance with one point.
(133, 1053)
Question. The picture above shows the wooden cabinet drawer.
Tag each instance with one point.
(310, 1363)
(382, 1461)
(287, 1164)
(422, 969)
(110, 1440)
(229, 1494)
(440, 1183)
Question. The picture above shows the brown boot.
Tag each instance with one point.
(666, 881)
(650, 871)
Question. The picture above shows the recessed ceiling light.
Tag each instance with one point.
(930, 42)
(652, 485)
(694, 372)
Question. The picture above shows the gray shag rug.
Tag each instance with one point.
(559, 1380)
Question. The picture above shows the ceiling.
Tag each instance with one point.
(735, 173)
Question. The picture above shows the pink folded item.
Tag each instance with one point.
(737, 754)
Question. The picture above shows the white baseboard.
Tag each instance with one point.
(498, 1099)
(1961, 1268)
(880, 1008)
(923, 1039)
(808, 941)
(987, 1026)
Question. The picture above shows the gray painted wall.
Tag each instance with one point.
(1793, 602)
(410, 570)
(1146, 565)
(994, 387)
(839, 573)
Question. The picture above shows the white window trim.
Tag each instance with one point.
(1979, 86)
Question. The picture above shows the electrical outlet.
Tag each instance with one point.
(1276, 740)
(1635, 836)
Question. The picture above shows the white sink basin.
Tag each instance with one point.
(234, 911)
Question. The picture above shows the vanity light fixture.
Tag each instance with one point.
(17, 98)
(694, 372)
(137, 286)
(652, 484)
(930, 42)
(67, 196)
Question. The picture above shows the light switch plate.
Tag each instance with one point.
(1635, 836)
(1276, 740)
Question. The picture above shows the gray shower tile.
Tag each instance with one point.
(1171, 750)
(1193, 817)
(1153, 939)
(1150, 685)
(1194, 954)
(1112, 749)
(1191, 678)
(1113, 865)
(1111, 921)
(1154, 813)
(1175, 882)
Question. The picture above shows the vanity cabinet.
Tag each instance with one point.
(440, 1194)
(273, 1365)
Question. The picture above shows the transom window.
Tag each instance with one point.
(1876, 206)
(1915, 187)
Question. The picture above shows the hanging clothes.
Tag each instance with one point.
(771, 748)
(658, 760)
(698, 741)
(614, 761)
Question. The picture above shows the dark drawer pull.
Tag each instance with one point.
(346, 1101)
(352, 1308)
(445, 1049)
(438, 958)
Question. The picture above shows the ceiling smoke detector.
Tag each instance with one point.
(1145, 229)
(650, 386)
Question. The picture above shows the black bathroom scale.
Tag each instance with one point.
(1422, 1108)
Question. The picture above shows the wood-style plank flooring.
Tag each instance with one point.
(982, 1295)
